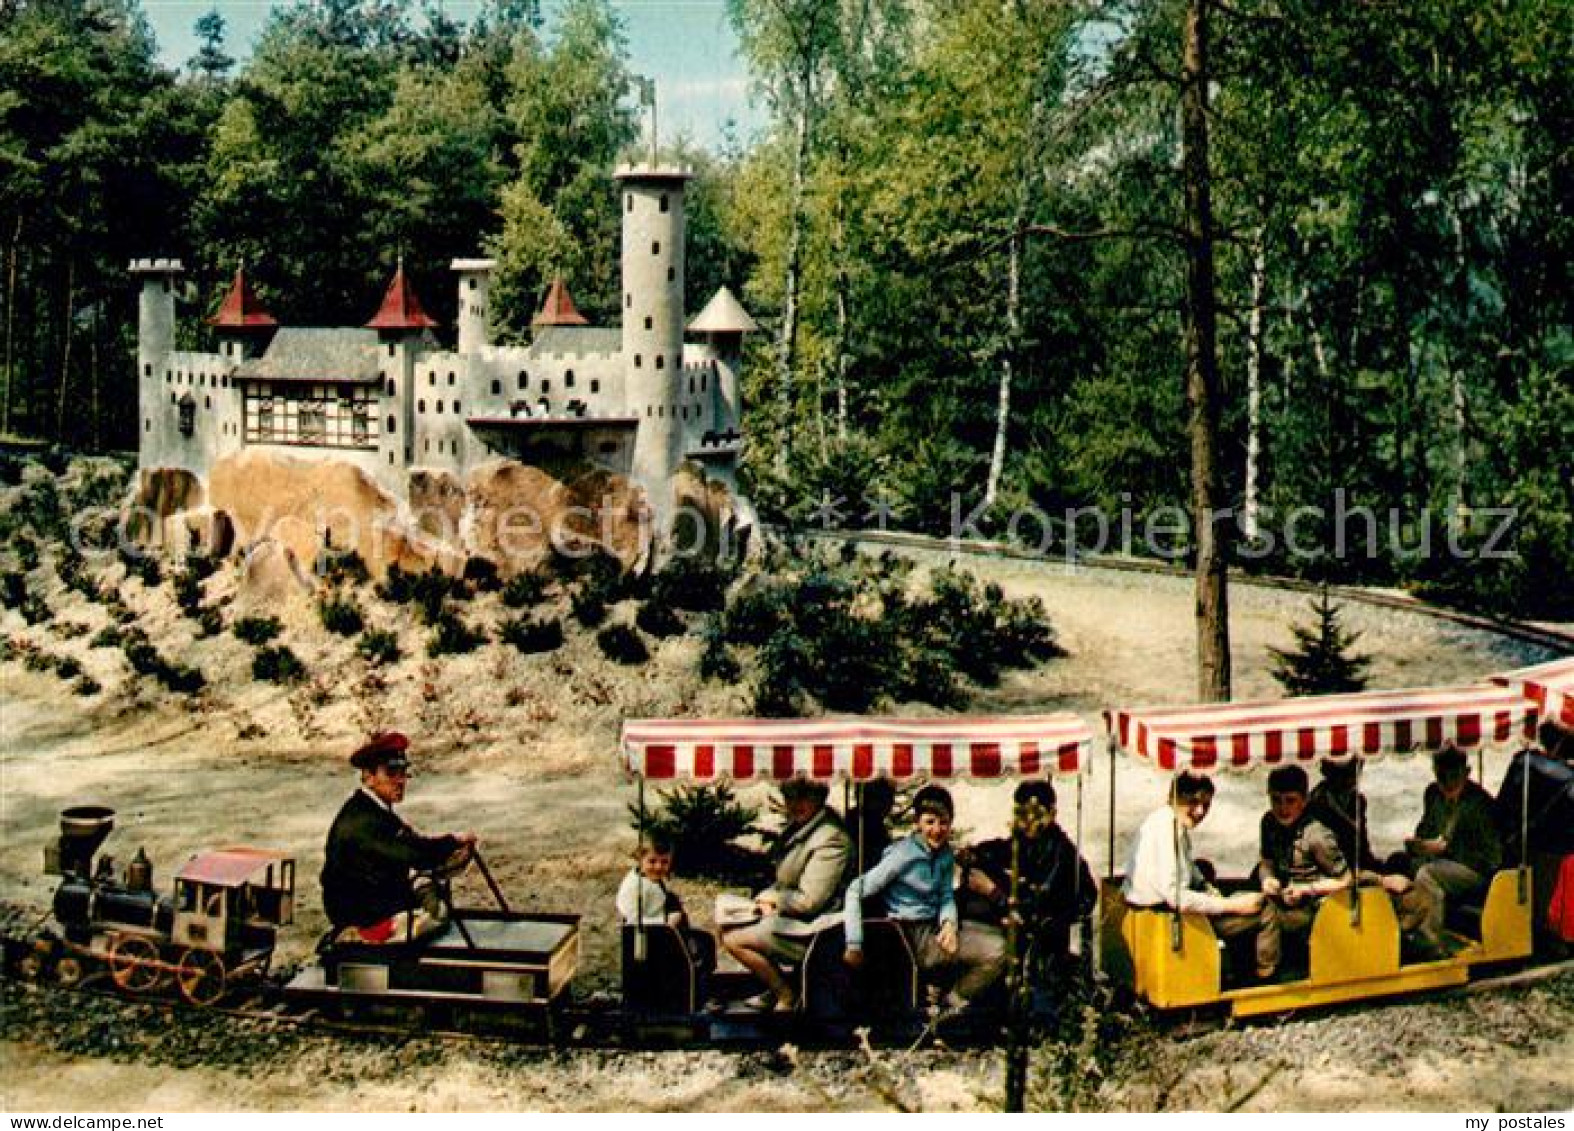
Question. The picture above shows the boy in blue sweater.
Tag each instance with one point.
(917, 877)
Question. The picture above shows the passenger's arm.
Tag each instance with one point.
(870, 884)
(821, 875)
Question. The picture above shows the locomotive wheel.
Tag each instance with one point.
(134, 964)
(201, 977)
(68, 971)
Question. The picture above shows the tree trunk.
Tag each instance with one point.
(1202, 364)
(997, 458)
(841, 362)
(1255, 350)
(13, 252)
(65, 350)
(787, 355)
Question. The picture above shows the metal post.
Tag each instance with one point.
(639, 917)
(1359, 817)
(1524, 827)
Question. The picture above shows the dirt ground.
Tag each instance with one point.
(522, 750)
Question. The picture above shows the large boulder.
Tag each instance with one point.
(519, 516)
(162, 494)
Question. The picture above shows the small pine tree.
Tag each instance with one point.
(1321, 662)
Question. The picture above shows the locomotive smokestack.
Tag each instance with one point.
(83, 828)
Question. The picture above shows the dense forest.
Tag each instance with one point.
(971, 232)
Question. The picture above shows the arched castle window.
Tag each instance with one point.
(568, 378)
(450, 376)
(664, 202)
(390, 349)
(420, 406)
(648, 322)
(391, 428)
(390, 387)
(638, 361)
(629, 201)
(546, 385)
(655, 247)
(524, 379)
(661, 362)
(439, 408)
(431, 377)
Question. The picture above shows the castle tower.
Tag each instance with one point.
(724, 322)
(475, 306)
(243, 325)
(400, 323)
(155, 343)
(653, 235)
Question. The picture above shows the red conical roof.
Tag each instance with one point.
(401, 310)
(559, 309)
(241, 309)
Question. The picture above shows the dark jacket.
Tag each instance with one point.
(1467, 825)
(1056, 887)
(370, 854)
(1343, 813)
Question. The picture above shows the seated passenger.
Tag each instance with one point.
(916, 876)
(1055, 887)
(1300, 864)
(866, 823)
(1338, 804)
(1162, 874)
(1456, 848)
(810, 860)
(369, 885)
(643, 897)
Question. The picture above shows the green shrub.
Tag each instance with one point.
(778, 689)
(256, 630)
(704, 823)
(691, 582)
(621, 644)
(481, 574)
(109, 636)
(659, 620)
(210, 622)
(141, 563)
(37, 660)
(530, 635)
(451, 636)
(188, 591)
(340, 615)
(35, 611)
(142, 656)
(431, 592)
(277, 665)
(756, 614)
(588, 607)
(341, 567)
(13, 589)
(397, 586)
(379, 646)
(180, 677)
(86, 685)
(68, 667)
(715, 661)
(524, 590)
(26, 551)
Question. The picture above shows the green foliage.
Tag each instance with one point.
(451, 636)
(589, 606)
(622, 645)
(210, 622)
(378, 646)
(530, 635)
(716, 662)
(1321, 662)
(481, 575)
(340, 614)
(704, 823)
(277, 664)
(524, 590)
(691, 582)
(26, 550)
(13, 589)
(659, 620)
(257, 630)
(141, 563)
(146, 660)
(341, 567)
(110, 636)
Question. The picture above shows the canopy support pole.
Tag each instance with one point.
(1524, 829)
(639, 919)
(1176, 933)
(1110, 743)
(1358, 815)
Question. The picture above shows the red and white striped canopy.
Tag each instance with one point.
(1549, 686)
(859, 749)
(1240, 736)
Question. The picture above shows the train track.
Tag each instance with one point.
(1542, 636)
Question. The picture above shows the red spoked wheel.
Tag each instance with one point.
(201, 977)
(134, 964)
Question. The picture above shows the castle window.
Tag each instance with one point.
(661, 362)
(420, 406)
(390, 349)
(691, 386)
(360, 426)
(147, 370)
(431, 376)
(391, 427)
(147, 426)
(655, 247)
(497, 388)
(628, 301)
(609, 447)
(188, 418)
(426, 445)
(568, 378)
(166, 286)
(702, 382)
(672, 274)
(390, 459)
(207, 402)
(450, 376)
(647, 322)
(661, 412)
(202, 380)
(629, 201)
(595, 385)
(225, 381)
(312, 418)
(664, 202)
(638, 361)
(390, 387)
(546, 385)
(456, 408)
(472, 285)
(439, 408)
(649, 411)
(173, 399)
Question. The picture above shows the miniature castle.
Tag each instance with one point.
(637, 401)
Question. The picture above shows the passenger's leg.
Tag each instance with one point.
(749, 946)
(981, 953)
(1266, 925)
(1440, 880)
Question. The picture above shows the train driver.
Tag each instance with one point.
(370, 887)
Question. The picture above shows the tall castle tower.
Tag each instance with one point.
(155, 343)
(653, 234)
(475, 309)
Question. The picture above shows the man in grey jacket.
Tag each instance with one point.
(811, 861)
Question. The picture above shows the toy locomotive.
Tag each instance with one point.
(220, 924)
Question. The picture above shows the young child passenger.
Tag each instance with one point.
(916, 876)
(644, 899)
